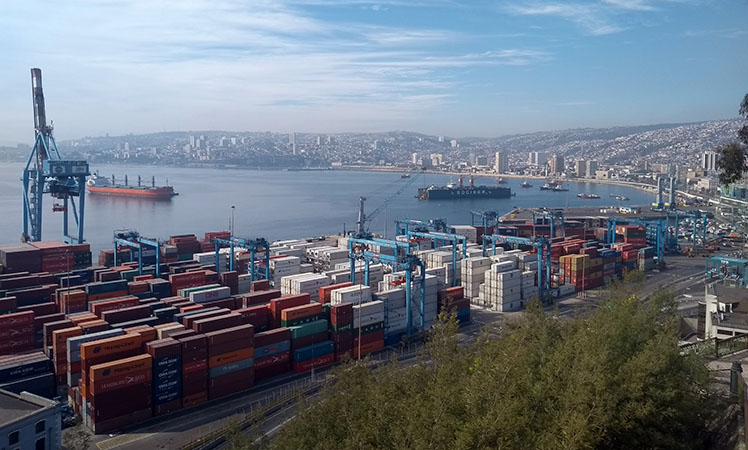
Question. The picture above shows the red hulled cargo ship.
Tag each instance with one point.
(103, 186)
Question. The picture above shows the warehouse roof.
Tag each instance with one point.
(14, 407)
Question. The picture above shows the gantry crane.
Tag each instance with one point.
(134, 240)
(405, 225)
(543, 248)
(435, 237)
(655, 229)
(360, 249)
(551, 217)
(251, 245)
(47, 173)
(488, 218)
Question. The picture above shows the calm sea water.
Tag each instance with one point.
(276, 204)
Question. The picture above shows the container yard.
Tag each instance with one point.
(122, 345)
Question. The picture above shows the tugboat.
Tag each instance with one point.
(405, 175)
(553, 186)
(525, 184)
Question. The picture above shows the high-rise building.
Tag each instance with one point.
(538, 158)
(591, 168)
(319, 140)
(127, 146)
(414, 158)
(453, 143)
(557, 164)
(580, 167)
(292, 139)
(501, 163)
(710, 161)
(192, 141)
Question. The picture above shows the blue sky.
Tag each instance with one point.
(447, 67)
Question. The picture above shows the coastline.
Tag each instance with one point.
(642, 187)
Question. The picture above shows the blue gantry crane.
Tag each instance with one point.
(552, 217)
(454, 239)
(543, 248)
(655, 229)
(488, 218)
(674, 217)
(134, 240)
(724, 268)
(405, 225)
(47, 173)
(359, 249)
(363, 222)
(251, 245)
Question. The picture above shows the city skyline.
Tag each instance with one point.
(435, 66)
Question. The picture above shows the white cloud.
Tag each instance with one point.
(591, 17)
(126, 65)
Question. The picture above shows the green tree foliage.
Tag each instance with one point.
(732, 163)
(613, 379)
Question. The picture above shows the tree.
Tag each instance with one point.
(743, 132)
(77, 437)
(614, 379)
(732, 162)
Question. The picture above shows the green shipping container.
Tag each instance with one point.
(186, 291)
(318, 326)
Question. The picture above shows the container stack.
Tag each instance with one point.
(299, 315)
(611, 264)
(194, 369)
(20, 258)
(341, 329)
(308, 334)
(473, 272)
(313, 357)
(325, 292)
(308, 283)
(470, 232)
(167, 375)
(57, 257)
(230, 361)
(453, 301)
(395, 312)
(634, 235)
(368, 328)
(209, 259)
(277, 305)
(31, 372)
(272, 353)
(282, 267)
(502, 290)
(186, 245)
(353, 294)
(74, 352)
(120, 393)
(16, 332)
(646, 259)
(431, 305)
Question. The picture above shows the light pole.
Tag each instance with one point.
(233, 208)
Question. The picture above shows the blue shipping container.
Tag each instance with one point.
(272, 349)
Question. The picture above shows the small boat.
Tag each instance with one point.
(525, 184)
(500, 181)
(588, 196)
(559, 188)
(550, 186)
(405, 175)
(622, 198)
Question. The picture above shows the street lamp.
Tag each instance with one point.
(233, 208)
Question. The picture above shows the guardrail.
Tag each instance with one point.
(717, 348)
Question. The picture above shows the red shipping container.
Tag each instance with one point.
(16, 319)
(325, 292)
(16, 344)
(368, 338)
(218, 323)
(314, 363)
(273, 360)
(279, 304)
(259, 285)
(196, 399)
(243, 333)
(272, 337)
(259, 298)
(258, 316)
(40, 309)
(112, 305)
(366, 349)
(187, 321)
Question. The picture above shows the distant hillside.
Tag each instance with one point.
(683, 142)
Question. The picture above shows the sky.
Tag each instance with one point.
(443, 67)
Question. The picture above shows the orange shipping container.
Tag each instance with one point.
(298, 312)
(121, 367)
(228, 358)
(111, 345)
(60, 340)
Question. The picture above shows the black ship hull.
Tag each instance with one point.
(448, 193)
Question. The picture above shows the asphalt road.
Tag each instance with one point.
(683, 274)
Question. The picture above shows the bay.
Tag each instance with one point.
(278, 204)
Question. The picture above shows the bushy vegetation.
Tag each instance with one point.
(612, 379)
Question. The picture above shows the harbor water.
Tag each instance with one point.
(280, 204)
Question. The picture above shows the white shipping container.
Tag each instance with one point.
(366, 320)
